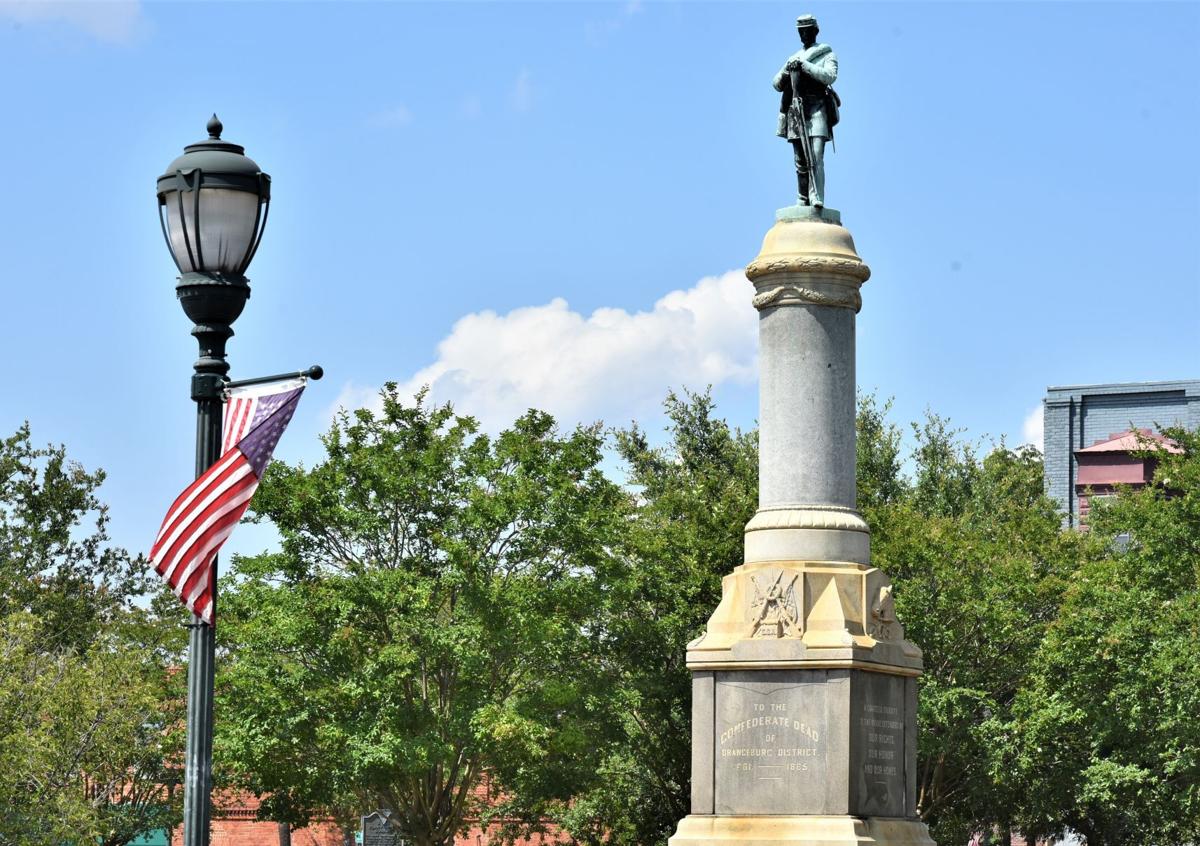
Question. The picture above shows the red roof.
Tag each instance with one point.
(1131, 441)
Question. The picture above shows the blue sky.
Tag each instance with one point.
(550, 204)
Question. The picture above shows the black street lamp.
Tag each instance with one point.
(213, 203)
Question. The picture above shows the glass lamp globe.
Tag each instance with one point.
(213, 202)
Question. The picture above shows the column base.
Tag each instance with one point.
(794, 532)
(697, 830)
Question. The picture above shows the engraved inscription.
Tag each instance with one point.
(770, 746)
(880, 726)
(778, 730)
(883, 731)
(772, 741)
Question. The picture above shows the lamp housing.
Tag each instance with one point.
(213, 203)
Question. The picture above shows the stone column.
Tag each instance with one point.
(804, 686)
(806, 281)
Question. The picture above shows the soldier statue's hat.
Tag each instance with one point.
(805, 21)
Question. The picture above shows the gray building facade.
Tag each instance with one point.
(1077, 416)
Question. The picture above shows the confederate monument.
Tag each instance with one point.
(804, 692)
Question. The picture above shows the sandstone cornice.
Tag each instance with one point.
(809, 264)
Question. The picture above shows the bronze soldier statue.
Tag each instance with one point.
(809, 109)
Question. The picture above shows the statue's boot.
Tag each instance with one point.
(817, 192)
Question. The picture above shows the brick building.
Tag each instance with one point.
(1091, 425)
(235, 824)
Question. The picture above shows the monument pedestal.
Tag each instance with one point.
(804, 693)
(804, 830)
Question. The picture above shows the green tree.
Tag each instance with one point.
(430, 616)
(879, 479)
(980, 565)
(695, 495)
(90, 718)
(89, 739)
(1109, 740)
(55, 559)
(135, 786)
(337, 697)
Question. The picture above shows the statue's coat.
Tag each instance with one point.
(819, 71)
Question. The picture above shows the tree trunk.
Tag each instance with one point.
(285, 834)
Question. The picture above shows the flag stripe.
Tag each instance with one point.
(200, 501)
(197, 576)
(205, 548)
(202, 518)
(195, 579)
(229, 474)
(187, 560)
(221, 503)
(238, 430)
(232, 413)
(194, 586)
(190, 493)
(232, 408)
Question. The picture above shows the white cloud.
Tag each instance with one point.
(395, 116)
(522, 91)
(1032, 429)
(114, 21)
(613, 364)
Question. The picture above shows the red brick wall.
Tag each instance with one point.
(234, 825)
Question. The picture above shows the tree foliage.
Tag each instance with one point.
(695, 494)
(427, 616)
(90, 719)
(55, 559)
(1109, 740)
(980, 566)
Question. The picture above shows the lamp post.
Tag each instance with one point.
(213, 203)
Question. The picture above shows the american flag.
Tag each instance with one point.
(203, 516)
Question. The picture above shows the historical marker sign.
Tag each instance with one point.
(377, 832)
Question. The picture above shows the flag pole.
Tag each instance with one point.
(314, 372)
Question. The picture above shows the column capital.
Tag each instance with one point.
(811, 248)
(806, 263)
